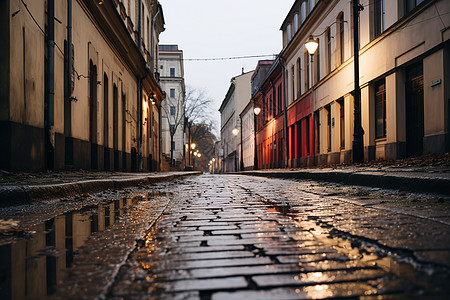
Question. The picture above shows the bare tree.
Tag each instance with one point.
(188, 107)
(174, 108)
(197, 106)
(202, 135)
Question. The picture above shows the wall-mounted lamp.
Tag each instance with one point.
(152, 98)
(311, 45)
(257, 110)
(235, 131)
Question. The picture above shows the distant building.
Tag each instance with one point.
(268, 96)
(91, 99)
(172, 113)
(235, 101)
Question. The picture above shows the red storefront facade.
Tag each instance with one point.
(270, 137)
(301, 144)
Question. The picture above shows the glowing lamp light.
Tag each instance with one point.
(257, 110)
(311, 45)
(193, 145)
(235, 131)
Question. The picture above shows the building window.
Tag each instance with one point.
(378, 18)
(328, 112)
(294, 30)
(288, 33)
(280, 95)
(317, 63)
(172, 72)
(411, 4)
(172, 93)
(312, 3)
(342, 122)
(328, 50)
(308, 120)
(303, 12)
(340, 45)
(380, 109)
(172, 110)
(299, 77)
(293, 83)
(307, 72)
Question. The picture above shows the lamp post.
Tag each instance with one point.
(256, 111)
(358, 132)
(235, 132)
(193, 145)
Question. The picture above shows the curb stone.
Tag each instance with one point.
(20, 195)
(419, 183)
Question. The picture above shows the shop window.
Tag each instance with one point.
(380, 109)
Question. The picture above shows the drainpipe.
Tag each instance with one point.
(139, 90)
(152, 39)
(241, 166)
(69, 47)
(285, 114)
(50, 84)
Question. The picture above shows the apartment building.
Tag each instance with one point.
(171, 68)
(404, 53)
(79, 85)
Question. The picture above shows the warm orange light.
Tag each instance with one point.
(257, 110)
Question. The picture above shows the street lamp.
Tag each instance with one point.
(311, 45)
(235, 131)
(256, 111)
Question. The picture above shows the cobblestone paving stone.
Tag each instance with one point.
(237, 237)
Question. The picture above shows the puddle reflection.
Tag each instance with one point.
(31, 268)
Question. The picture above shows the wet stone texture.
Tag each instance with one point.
(229, 237)
(237, 237)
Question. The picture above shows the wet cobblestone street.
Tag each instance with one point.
(241, 237)
(231, 237)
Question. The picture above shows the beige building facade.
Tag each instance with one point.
(92, 103)
(235, 101)
(404, 75)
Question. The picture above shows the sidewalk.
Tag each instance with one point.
(427, 173)
(25, 188)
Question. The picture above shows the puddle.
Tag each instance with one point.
(31, 268)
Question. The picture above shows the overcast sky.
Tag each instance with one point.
(222, 28)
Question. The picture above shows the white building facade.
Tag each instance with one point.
(236, 99)
(172, 113)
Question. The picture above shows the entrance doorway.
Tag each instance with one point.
(93, 114)
(414, 109)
